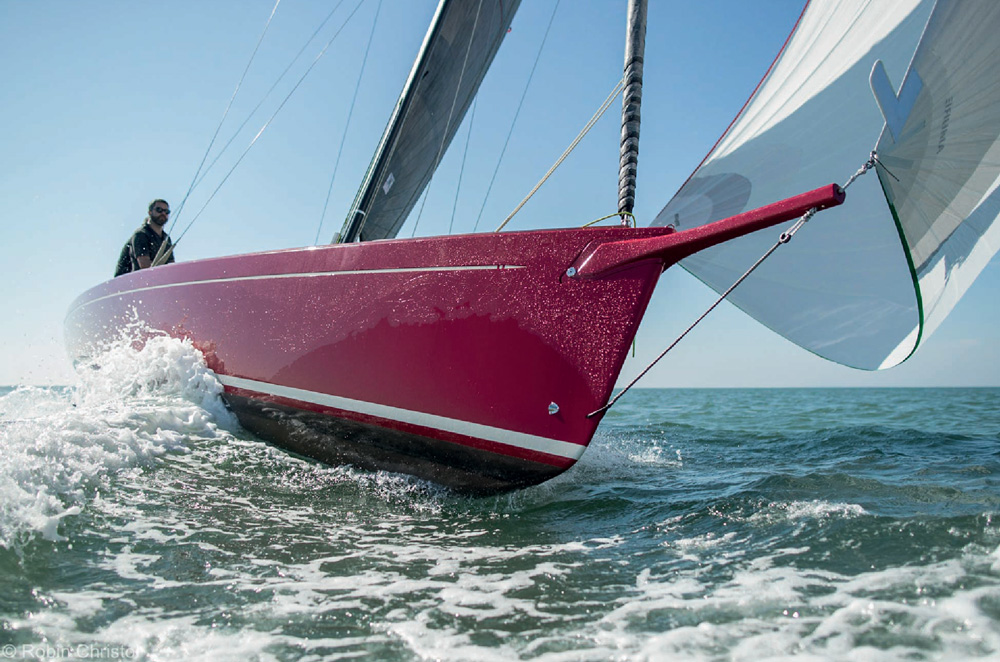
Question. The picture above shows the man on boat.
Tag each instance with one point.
(142, 248)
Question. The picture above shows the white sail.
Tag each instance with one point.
(848, 288)
(941, 167)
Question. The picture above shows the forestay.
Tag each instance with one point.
(857, 287)
(459, 47)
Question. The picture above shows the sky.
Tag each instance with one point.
(108, 104)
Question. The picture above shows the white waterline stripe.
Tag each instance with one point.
(486, 267)
(499, 435)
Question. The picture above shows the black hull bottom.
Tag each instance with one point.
(338, 442)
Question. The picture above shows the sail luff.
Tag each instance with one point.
(635, 45)
(376, 170)
(457, 52)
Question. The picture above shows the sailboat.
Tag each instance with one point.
(485, 362)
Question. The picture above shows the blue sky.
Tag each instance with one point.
(106, 105)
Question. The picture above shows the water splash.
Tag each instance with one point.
(666, 542)
(62, 446)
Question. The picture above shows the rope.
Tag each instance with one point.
(347, 124)
(160, 259)
(268, 93)
(784, 238)
(593, 120)
(423, 198)
(461, 172)
(617, 213)
(868, 165)
(225, 114)
(513, 122)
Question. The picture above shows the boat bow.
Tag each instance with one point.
(604, 258)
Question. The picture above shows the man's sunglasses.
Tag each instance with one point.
(161, 210)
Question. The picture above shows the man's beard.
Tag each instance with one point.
(158, 221)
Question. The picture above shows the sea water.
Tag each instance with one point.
(139, 521)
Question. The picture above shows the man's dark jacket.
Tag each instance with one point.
(145, 241)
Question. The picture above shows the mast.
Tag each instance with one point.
(635, 46)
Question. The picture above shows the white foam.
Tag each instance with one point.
(61, 447)
(149, 635)
(771, 610)
(794, 511)
(429, 593)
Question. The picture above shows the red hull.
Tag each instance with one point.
(443, 366)
(472, 361)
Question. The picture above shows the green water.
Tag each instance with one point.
(845, 524)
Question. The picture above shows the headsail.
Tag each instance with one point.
(942, 170)
(850, 290)
(459, 47)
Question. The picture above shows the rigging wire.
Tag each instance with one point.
(618, 214)
(619, 86)
(160, 259)
(423, 198)
(225, 114)
(465, 154)
(451, 111)
(513, 122)
(784, 238)
(268, 93)
(347, 124)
